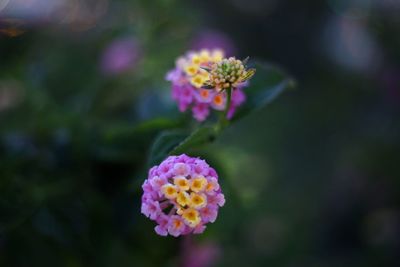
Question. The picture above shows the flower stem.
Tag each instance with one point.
(223, 120)
(228, 102)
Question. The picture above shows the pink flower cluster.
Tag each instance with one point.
(181, 195)
(189, 76)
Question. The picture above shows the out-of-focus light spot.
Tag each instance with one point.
(32, 10)
(212, 39)
(347, 42)
(11, 27)
(76, 15)
(120, 55)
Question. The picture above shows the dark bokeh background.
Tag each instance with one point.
(311, 180)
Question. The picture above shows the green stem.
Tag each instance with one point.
(223, 121)
(228, 102)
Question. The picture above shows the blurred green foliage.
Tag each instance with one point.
(310, 181)
(75, 148)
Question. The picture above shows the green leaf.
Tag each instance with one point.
(164, 144)
(201, 136)
(177, 142)
(265, 86)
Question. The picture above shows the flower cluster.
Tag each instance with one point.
(182, 195)
(188, 78)
(228, 73)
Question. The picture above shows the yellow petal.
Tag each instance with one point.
(191, 69)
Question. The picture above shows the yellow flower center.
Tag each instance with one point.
(183, 198)
(191, 216)
(182, 183)
(218, 55)
(169, 191)
(191, 70)
(198, 184)
(197, 81)
(205, 55)
(198, 201)
(196, 59)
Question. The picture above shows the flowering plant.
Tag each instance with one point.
(76, 144)
(182, 195)
(199, 78)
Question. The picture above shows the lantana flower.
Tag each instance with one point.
(229, 73)
(191, 73)
(181, 195)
